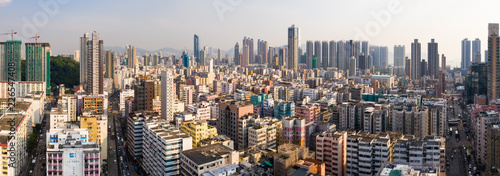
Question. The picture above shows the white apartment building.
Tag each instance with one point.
(69, 153)
(58, 118)
(124, 94)
(201, 110)
(162, 148)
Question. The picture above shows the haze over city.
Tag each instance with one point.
(153, 25)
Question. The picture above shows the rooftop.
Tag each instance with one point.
(207, 153)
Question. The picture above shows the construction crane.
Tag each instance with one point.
(36, 37)
(11, 34)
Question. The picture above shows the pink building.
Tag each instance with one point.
(308, 112)
(294, 131)
(331, 149)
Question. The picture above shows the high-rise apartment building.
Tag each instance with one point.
(162, 148)
(415, 60)
(432, 59)
(198, 130)
(110, 64)
(94, 61)
(333, 60)
(237, 59)
(262, 52)
(399, 55)
(476, 51)
(493, 63)
(38, 63)
(293, 48)
(331, 149)
(465, 55)
(324, 54)
(229, 115)
(132, 58)
(167, 95)
(245, 60)
(249, 43)
(294, 131)
(84, 59)
(309, 53)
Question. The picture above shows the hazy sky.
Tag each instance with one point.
(157, 24)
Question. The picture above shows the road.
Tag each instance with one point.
(39, 153)
(455, 151)
(123, 165)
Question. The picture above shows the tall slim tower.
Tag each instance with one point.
(84, 59)
(249, 42)
(38, 63)
(465, 55)
(132, 58)
(399, 55)
(110, 64)
(237, 59)
(433, 59)
(293, 47)
(415, 59)
(246, 55)
(342, 61)
(317, 53)
(324, 54)
(167, 95)
(493, 64)
(309, 53)
(196, 47)
(476, 51)
(333, 54)
(95, 57)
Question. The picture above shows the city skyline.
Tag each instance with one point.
(73, 18)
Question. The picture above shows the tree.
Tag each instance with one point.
(64, 70)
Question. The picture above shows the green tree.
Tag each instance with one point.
(64, 70)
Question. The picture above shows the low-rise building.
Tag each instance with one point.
(196, 162)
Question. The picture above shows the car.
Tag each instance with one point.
(114, 161)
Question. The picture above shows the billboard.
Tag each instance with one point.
(73, 162)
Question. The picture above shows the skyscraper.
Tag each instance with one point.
(95, 60)
(493, 64)
(196, 48)
(433, 59)
(324, 55)
(342, 62)
(262, 51)
(333, 54)
(251, 56)
(110, 64)
(202, 56)
(384, 55)
(399, 55)
(352, 66)
(309, 53)
(84, 60)
(237, 59)
(375, 53)
(132, 58)
(476, 51)
(415, 59)
(317, 53)
(246, 56)
(465, 55)
(293, 47)
(365, 48)
(282, 57)
(38, 63)
(185, 59)
(167, 94)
